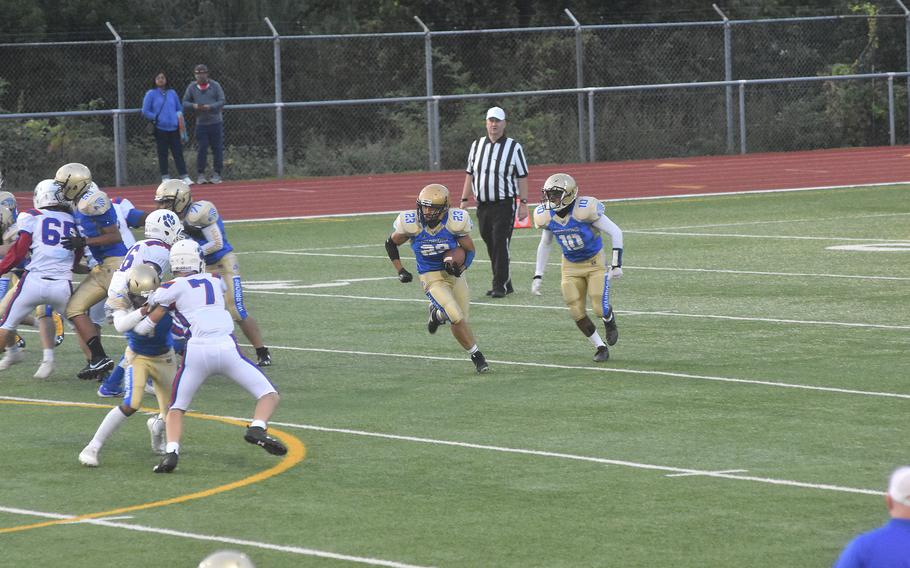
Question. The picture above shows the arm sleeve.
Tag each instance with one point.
(17, 253)
(543, 252)
(607, 226)
(214, 240)
(219, 98)
(134, 218)
(125, 321)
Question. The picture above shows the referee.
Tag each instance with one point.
(497, 173)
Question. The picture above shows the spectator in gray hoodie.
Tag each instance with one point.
(205, 97)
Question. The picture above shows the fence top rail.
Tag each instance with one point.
(58, 43)
(816, 19)
(471, 96)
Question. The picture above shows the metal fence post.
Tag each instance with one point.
(742, 117)
(120, 176)
(279, 105)
(580, 83)
(591, 150)
(891, 133)
(906, 55)
(728, 75)
(437, 156)
(432, 142)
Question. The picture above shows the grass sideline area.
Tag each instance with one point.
(749, 415)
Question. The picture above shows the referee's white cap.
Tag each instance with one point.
(497, 113)
(899, 486)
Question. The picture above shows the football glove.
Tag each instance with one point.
(535, 286)
(72, 243)
(453, 269)
(404, 276)
(615, 273)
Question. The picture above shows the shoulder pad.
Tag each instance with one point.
(542, 217)
(587, 209)
(202, 214)
(459, 222)
(93, 203)
(407, 224)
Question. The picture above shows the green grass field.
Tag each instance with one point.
(749, 416)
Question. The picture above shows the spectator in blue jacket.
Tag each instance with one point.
(163, 108)
(888, 546)
(205, 97)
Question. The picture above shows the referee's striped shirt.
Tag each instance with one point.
(496, 167)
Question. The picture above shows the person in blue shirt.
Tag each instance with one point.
(889, 545)
(164, 109)
(434, 229)
(576, 223)
(99, 230)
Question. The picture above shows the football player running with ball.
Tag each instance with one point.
(435, 231)
(576, 223)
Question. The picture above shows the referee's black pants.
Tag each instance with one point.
(496, 220)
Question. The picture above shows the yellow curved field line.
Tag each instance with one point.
(296, 454)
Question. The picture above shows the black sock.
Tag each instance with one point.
(94, 344)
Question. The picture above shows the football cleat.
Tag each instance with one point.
(20, 342)
(167, 464)
(256, 435)
(89, 456)
(159, 436)
(149, 387)
(433, 323)
(11, 358)
(612, 330)
(44, 370)
(602, 354)
(105, 391)
(480, 362)
(264, 356)
(96, 367)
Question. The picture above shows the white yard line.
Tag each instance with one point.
(722, 474)
(212, 538)
(778, 237)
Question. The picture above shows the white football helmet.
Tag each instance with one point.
(45, 194)
(227, 559)
(186, 256)
(163, 224)
(8, 200)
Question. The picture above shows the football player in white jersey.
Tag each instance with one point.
(49, 271)
(203, 224)
(576, 224)
(150, 357)
(211, 349)
(162, 229)
(434, 229)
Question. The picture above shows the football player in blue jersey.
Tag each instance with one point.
(203, 224)
(576, 223)
(99, 230)
(434, 229)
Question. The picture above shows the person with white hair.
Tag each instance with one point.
(888, 546)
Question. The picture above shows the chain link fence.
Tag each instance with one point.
(371, 97)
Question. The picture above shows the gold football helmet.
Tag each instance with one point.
(432, 204)
(6, 219)
(8, 200)
(175, 195)
(559, 191)
(73, 180)
(143, 279)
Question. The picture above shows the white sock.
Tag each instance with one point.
(12, 349)
(48, 355)
(108, 426)
(172, 447)
(259, 423)
(595, 339)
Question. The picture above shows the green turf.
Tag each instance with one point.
(550, 459)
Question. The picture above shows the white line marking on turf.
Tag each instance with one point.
(783, 237)
(692, 474)
(621, 312)
(723, 474)
(788, 221)
(212, 538)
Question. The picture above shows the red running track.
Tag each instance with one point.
(604, 180)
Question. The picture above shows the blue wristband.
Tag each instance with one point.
(468, 258)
